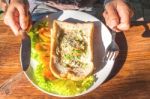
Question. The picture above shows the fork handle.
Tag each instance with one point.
(113, 35)
(6, 87)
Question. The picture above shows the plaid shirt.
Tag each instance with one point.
(55, 5)
(78, 3)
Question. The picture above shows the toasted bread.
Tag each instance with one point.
(71, 54)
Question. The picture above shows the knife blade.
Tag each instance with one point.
(25, 51)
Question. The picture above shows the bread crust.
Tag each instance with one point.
(67, 28)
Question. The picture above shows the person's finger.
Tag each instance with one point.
(3, 5)
(30, 23)
(131, 9)
(116, 29)
(105, 15)
(125, 16)
(113, 18)
(16, 17)
(131, 13)
(108, 23)
(23, 16)
(10, 21)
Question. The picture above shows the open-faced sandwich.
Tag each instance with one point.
(54, 78)
(71, 55)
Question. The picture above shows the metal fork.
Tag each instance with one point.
(112, 50)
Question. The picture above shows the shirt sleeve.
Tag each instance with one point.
(7, 1)
(107, 1)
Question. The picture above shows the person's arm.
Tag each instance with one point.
(17, 15)
(117, 14)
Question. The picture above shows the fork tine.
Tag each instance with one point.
(112, 55)
(116, 54)
(108, 54)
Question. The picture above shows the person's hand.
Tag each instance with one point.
(17, 16)
(3, 5)
(118, 15)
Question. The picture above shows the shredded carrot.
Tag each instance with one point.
(44, 34)
(46, 45)
(48, 74)
(45, 60)
(43, 48)
(44, 38)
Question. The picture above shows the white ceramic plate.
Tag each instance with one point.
(102, 38)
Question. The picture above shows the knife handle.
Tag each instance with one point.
(23, 34)
(6, 87)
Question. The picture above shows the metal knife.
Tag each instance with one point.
(25, 51)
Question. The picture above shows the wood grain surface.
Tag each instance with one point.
(129, 79)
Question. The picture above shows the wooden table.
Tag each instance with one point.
(130, 77)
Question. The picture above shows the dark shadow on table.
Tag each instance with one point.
(121, 58)
(146, 33)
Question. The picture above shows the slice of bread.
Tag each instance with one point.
(71, 54)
